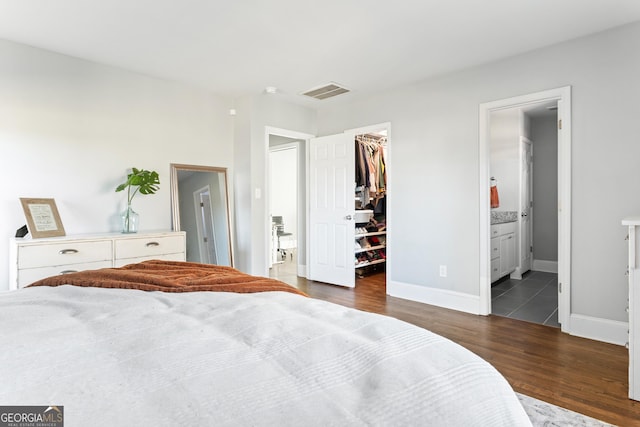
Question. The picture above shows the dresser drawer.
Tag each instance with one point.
(149, 247)
(30, 275)
(71, 252)
(178, 256)
(35, 259)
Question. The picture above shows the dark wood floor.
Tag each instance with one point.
(582, 375)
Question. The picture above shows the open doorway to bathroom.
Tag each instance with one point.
(562, 97)
(524, 212)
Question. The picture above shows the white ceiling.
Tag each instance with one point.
(239, 47)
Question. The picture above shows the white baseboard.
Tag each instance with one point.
(595, 328)
(544, 265)
(517, 274)
(433, 296)
(609, 331)
(302, 270)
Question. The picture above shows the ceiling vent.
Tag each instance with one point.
(326, 91)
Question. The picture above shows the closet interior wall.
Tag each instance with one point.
(370, 204)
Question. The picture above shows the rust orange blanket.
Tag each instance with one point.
(170, 276)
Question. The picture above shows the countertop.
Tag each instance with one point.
(500, 217)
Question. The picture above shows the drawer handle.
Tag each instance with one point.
(68, 271)
(68, 251)
(151, 244)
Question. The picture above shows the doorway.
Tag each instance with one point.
(285, 182)
(283, 203)
(524, 165)
(338, 218)
(562, 98)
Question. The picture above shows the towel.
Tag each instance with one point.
(495, 200)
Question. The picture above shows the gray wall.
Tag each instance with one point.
(434, 172)
(71, 129)
(544, 135)
(254, 114)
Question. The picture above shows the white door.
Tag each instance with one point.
(331, 210)
(526, 202)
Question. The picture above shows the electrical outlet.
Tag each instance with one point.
(443, 271)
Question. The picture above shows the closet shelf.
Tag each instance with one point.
(364, 264)
(374, 233)
(372, 248)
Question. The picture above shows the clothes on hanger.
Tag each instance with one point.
(370, 168)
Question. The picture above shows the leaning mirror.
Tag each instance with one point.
(200, 207)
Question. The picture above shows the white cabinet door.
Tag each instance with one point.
(504, 257)
(508, 253)
(332, 207)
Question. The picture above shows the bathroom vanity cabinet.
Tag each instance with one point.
(503, 249)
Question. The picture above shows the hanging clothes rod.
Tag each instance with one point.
(367, 139)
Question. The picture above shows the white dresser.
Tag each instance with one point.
(35, 259)
(634, 305)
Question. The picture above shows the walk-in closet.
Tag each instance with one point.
(370, 204)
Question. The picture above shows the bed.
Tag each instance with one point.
(232, 356)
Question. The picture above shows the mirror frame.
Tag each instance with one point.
(175, 204)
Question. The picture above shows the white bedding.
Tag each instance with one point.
(118, 357)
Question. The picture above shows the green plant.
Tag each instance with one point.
(144, 181)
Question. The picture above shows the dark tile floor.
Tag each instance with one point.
(534, 298)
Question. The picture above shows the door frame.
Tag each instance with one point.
(563, 97)
(302, 230)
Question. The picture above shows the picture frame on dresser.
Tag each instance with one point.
(43, 219)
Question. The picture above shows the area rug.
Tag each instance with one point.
(548, 415)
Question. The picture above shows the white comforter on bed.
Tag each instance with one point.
(117, 357)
